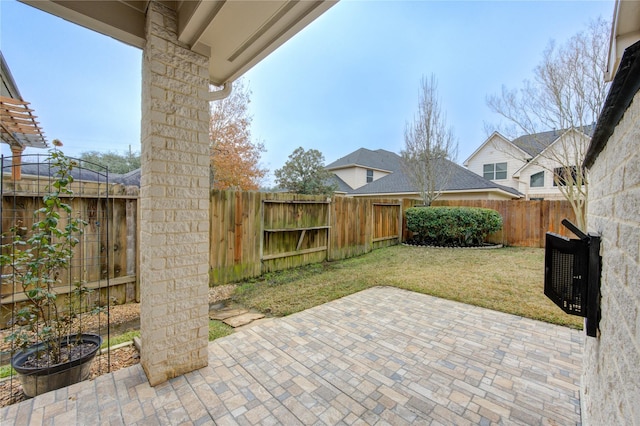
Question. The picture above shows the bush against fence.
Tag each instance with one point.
(452, 226)
(525, 223)
(252, 233)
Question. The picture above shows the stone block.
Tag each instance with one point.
(627, 205)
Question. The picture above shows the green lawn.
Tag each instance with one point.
(508, 280)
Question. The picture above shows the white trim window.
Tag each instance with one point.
(536, 180)
(369, 175)
(495, 171)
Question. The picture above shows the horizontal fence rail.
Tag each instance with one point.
(111, 217)
(253, 232)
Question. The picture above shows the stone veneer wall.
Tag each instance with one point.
(174, 202)
(611, 381)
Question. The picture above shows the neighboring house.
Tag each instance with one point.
(379, 173)
(528, 163)
(611, 381)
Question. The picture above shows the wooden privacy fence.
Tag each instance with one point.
(525, 223)
(253, 232)
(94, 262)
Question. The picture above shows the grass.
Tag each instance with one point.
(218, 329)
(116, 340)
(6, 371)
(508, 280)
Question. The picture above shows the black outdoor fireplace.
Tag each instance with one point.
(572, 274)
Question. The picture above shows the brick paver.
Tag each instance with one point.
(382, 356)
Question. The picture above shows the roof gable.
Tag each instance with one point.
(535, 143)
(491, 140)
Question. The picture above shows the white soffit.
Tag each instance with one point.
(235, 34)
(625, 32)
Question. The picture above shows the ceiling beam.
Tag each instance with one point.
(122, 21)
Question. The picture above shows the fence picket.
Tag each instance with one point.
(525, 222)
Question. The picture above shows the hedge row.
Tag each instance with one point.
(452, 226)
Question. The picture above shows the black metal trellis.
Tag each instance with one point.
(92, 255)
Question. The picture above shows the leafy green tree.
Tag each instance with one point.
(117, 163)
(304, 173)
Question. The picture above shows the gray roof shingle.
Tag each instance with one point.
(534, 144)
(398, 182)
(378, 159)
(342, 186)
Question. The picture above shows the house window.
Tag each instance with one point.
(369, 175)
(495, 171)
(561, 175)
(537, 180)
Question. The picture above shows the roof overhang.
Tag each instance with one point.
(18, 125)
(625, 31)
(234, 34)
(622, 92)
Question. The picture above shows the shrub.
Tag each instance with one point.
(452, 226)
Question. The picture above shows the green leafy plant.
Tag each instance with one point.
(452, 226)
(34, 262)
(121, 338)
(6, 371)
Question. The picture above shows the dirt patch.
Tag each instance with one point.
(10, 389)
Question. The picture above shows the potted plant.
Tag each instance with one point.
(53, 350)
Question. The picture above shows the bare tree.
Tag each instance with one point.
(430, 145)
(566, 95)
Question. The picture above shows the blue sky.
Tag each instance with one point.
(349, 80)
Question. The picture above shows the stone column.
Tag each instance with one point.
(174, 202)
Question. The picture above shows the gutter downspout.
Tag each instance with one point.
(218, 95)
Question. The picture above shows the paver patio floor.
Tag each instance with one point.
(381, 356)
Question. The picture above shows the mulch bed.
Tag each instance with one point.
(425, 242)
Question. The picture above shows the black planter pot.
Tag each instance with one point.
(39, 380)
